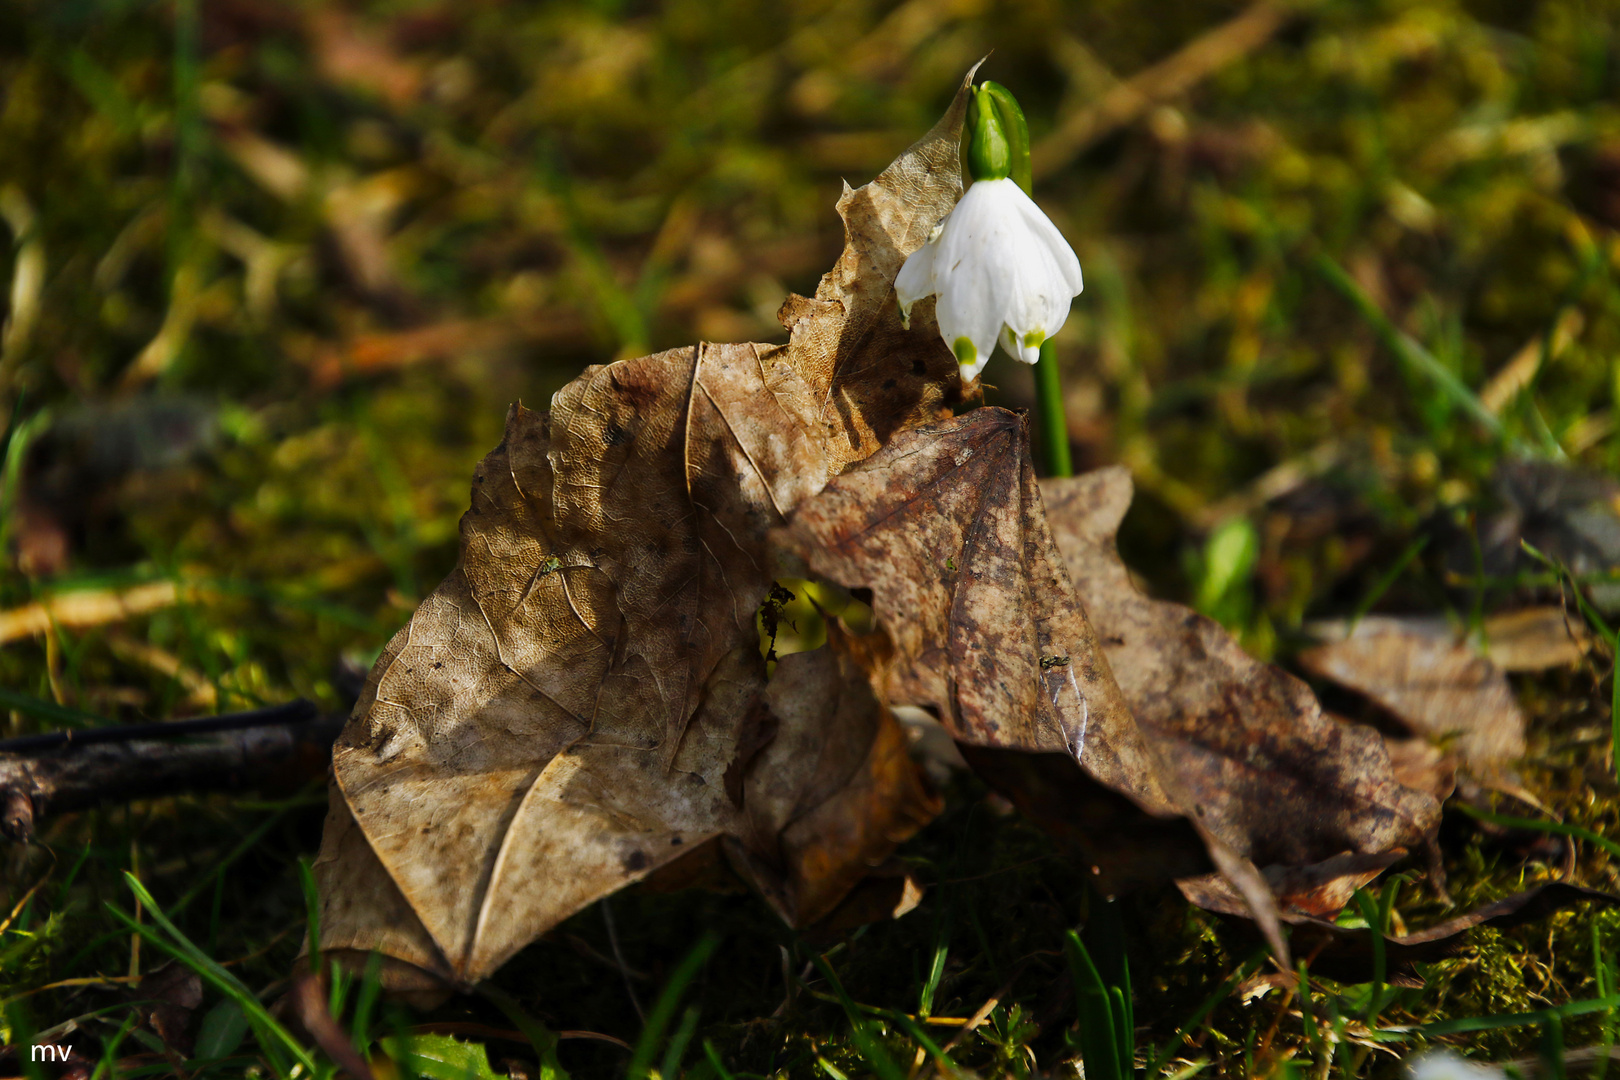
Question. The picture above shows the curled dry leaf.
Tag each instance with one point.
(1535, 639)
(1420, 764)
(582, 700)
(1429, 679)
(1346, 953)
(1311, 799)
(167, 1001)
(945, 527)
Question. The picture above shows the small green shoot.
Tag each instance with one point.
(1107, 1044)
(274, 1039)
(663, 1010)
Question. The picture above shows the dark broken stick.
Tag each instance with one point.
(277, 748)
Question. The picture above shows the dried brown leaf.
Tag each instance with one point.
(1535, 639)
(1266, 770)
(1420, 764)
(582, 701)
(1431, 681)
(1346, 954)
(167, 1000)
(944, 526)
(1320, 889)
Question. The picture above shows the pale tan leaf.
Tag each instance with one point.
(582, 701)
(1432, 681)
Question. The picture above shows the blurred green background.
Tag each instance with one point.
(276, 270)
(272, 271)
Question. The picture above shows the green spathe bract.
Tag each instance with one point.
(1003, 119)
(989, 155)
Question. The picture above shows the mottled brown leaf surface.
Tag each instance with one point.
(1319, 890)
(1420, 764)
(561, 716)
(582, 700)
(945, 527)
(1268, 772)
(1432, 680)
(882, 377)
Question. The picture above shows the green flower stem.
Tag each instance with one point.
(1049, 419)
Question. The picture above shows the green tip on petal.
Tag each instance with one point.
(1033, 339)
(966, 354)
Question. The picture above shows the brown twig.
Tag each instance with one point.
(278, 748)
(83, 609)
(1588, 1057)
(309, 996)
(1171, 77)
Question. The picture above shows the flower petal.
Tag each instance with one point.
(968, 307)
(1015, 344)
(915, 280)
(1001, 271)
(1041, 229)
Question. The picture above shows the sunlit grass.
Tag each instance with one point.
(275, 273)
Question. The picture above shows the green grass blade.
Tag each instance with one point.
(1557, 828)
(1307, 1011)
(1552, 1048)
(1375, 926)
(830, 1069)
(1193, 1022)
(1603, 974)
(177, 945)
(61, 715)
(1466, 1024)
(108, 1065)
(22, 1028)
(1124, 1036)
(1598, 623)
(865, 1042)
(676, 1051)
(242, 848)
(663, 1009)
(936, 972)
(715, 1063)
(370, 990)
(1408, 352)
(312, 913)
(1387, 580)
(1099, 1037)
(915, 1030)
(542, 1038)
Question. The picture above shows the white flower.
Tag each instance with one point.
(1447, 1065)
(1000, 269)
